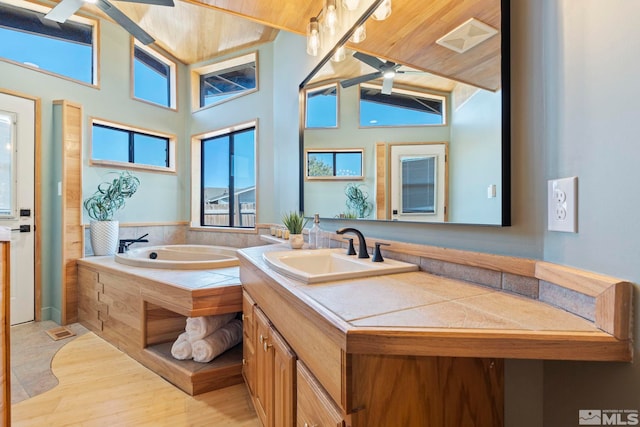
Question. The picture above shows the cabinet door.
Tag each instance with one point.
(314, 406)
(264, 370)
(248, 342)
(284, 372)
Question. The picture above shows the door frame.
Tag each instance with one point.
(37, 199)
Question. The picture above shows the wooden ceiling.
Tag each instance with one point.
(195, 30)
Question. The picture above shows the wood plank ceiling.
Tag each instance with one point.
(195, 30)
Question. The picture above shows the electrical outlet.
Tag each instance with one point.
(562, 204)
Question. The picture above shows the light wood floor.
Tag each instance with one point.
(101, 386)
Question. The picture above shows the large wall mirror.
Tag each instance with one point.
(425, 99)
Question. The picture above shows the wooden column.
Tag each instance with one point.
(5, 300)
(72, 229)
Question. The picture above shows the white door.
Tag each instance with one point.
(17, 155)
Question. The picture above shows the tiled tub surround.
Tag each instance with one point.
(143, 310)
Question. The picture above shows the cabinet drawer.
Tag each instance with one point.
(314, 406)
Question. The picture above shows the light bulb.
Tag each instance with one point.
(339, 55)
(359, 34)
(313, 37)
(330, 16)
(350, 4)
(389, 74)
(383, 11)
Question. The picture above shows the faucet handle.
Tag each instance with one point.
(377, 255)
(351, 250)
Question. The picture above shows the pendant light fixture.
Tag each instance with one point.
(330, 16)
(339, 55)
(350, 4)
(359, 34)
(313, 37)
(383, 11)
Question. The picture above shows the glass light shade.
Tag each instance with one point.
(313, 37)
(339, 54)
(383, 11)
(330, 16)
(350, 4)
(359, 34)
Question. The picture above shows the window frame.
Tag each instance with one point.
(198, 72)
(197, 188)
(79, 18)
(404, 91)
(306, 103)
(171, 149)
(335, 152)
(171, 79)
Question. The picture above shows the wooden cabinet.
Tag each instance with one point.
(269, 368)
(314, 406)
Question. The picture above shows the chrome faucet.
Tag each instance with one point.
(362, 244)
(123, 244)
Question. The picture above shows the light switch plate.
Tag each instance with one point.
(562, 204)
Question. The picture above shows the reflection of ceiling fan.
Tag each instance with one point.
(387, 70)
(66, 8)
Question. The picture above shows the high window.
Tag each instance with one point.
(321, 107)
(153, 76)
(219, 82)
(400, 107)
(63, 49)
(227, 177)
(121, 145)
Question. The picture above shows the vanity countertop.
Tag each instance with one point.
(423, 314)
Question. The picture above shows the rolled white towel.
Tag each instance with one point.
(199, 327)
(181, 348)
(205, 350)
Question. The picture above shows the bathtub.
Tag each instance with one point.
(180, 257)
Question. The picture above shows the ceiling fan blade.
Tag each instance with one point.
(387, 85)
(153, 2)
(125, 22)
(360, 79)
(369, 60)
(64, 10)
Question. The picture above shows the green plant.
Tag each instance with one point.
(111, 196)
(357, 200)
(294, 221)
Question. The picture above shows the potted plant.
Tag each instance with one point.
(295, 222)
(357, 200)
(102, 205)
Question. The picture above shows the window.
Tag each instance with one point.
(153, 76)
(219, 82)
(334, 164)
(126, 146)
(400, 108)
(322, 107)
(228, 178)
(64, 49)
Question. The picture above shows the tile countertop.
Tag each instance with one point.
(425, 314)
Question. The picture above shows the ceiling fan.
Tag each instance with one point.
(386, 69)
(63, 10)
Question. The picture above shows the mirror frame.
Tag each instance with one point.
(505, 76)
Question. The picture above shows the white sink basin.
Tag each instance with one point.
(324, 265)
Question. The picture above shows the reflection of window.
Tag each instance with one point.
(29, 39)
(153, 77)
(334, 164)
(224, 80)
(418, 184)
(400, 108)
(321, 107)
(122, 145)
(228, 179)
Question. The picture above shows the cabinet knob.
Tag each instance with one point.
(261, 338)
(266, 346)
(244, 361)
(243, 317)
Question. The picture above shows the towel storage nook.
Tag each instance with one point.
(143, 313)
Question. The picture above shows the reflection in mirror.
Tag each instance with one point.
(401, 71)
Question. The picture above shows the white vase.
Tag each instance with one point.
(104, 237)
(296, 241)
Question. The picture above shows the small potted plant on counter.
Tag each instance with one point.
(102, 205)
(295, 222)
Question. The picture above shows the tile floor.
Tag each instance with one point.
(31, 353)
